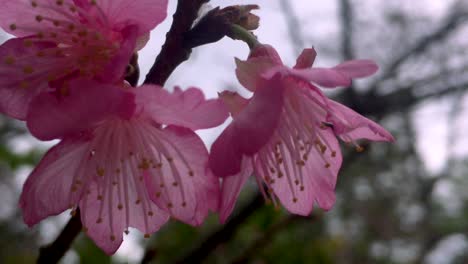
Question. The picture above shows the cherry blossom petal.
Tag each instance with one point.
(231, 188)
(187, 108)
(250, 130)
(147, 14)
(328, 78)
(105, 220)
(19, 80)
(49, 189)
(247, 72)
(87, 103)
(351, 126)
(234, 102)
(357, 68)
(115, 68)
(306, 59)
(181, 184)
(19, 16)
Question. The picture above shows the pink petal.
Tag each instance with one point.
(106, 229)
(248, 72)
(115, 69)
(329, 78)
(234, 102)
(183, 186)
(351, 126)
(299, 187)
(231, 188)
(357, 68)
(147, 14)
(48, 190)
(250, 130)
(23, 14)
(306, 59)
(187, 108)
(18, 86)
(267, 52)
(88, 102)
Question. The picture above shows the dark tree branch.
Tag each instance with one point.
(269, 234)
(224, 234)
(174, 50)
(452, 22)
(55, 251)
(293, 24)
(346, 15)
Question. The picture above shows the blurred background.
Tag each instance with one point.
(396, 203)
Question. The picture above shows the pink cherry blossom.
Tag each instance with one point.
(286, 134)
(59, 40)
(121, 161)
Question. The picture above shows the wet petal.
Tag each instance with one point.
(250, 130)
(231, 188)
(306, 59)
(181, 183)
(52, 186)
(351, 126)
(87, 103)
(187, 108)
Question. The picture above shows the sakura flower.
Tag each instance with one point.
(286, 134)
(122, 161)
(59, 40)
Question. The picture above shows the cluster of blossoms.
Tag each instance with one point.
(129, 157)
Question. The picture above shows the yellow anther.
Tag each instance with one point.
(100, 172)
(24, 84)
(27, 43)
(10, 60)
(28, 69)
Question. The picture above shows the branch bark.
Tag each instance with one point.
(174, 50)
(224, 234)
(55, 251)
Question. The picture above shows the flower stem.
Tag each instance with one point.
(242, 34)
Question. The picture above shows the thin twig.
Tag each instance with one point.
(55, 251)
